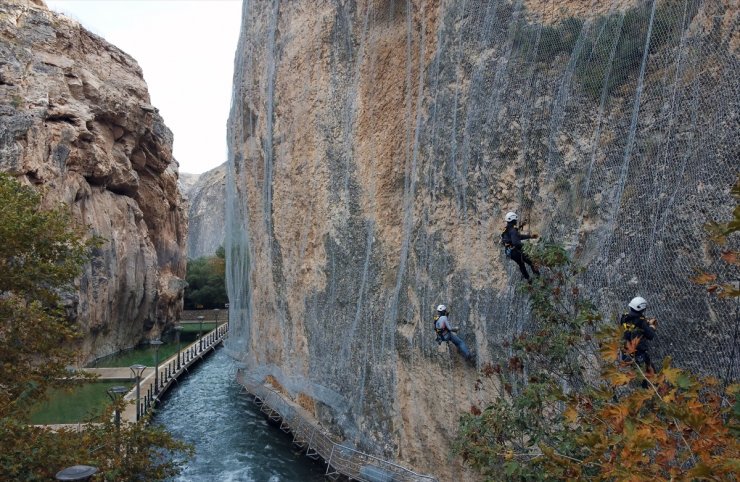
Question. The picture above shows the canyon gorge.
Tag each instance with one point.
(76, 122)
(375, 147)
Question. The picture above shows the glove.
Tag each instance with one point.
(535, 236)
(653, 323)
(455, 329)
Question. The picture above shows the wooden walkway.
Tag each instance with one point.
(169, 370)
(168, 374)
(340, 460)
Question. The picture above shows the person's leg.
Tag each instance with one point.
(516, 256)
(461, 346)
(642, 358)
(526, 259)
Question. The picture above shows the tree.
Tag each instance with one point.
(206, 277)
(41, 253)
(565, 415)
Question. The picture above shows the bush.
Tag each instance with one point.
(568, 411)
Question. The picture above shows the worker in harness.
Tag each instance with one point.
(446, 333)
(512, 241)
(636, 325)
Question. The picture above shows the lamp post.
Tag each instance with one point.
(115, 393)
(178, 329)
(218, 312)
(137, 370)
(200, 333)
(156, 344)
(76, 472)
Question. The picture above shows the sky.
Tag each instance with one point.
(186, 50)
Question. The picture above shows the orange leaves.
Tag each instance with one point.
(731, 257)
(704, 278)
(615, 415)
(729, 291)
(516, 364)
(630, 347)
(618, 378)
(570, 414)
(610, 345)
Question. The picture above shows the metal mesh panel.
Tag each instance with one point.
(612, 128)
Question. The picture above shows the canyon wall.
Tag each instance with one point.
(206, 195)
(76, 121)
(376, 145)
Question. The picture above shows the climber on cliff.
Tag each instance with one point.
(636, 325)
(512, 241)
(445, 332)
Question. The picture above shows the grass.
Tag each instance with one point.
(85, 403)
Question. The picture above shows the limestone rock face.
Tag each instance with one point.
(206, 194)
(375, 147)
(76, 120)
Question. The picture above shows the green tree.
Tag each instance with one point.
(41, 253)
(206, 277)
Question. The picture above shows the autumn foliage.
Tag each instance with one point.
(41, 253)
(572, 408)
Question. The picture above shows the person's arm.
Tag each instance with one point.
(648, 330)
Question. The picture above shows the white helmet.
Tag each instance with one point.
(638, 303)
(510, 216)
(441, 308)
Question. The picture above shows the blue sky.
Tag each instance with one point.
(186, 50)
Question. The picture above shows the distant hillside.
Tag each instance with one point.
(205, 194)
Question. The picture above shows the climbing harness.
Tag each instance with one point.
(441, 332)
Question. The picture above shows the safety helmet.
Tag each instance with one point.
(510, 216)
(441, 308)
(638, 303)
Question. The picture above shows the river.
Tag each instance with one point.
(232, 438)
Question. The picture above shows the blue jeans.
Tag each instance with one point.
(461, 346)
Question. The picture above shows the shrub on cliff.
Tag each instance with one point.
(206, 277)
(566, 413)
(41, 253)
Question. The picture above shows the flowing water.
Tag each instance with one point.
(233, 441)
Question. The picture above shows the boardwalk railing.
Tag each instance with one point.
(174, 366)
(339, 459)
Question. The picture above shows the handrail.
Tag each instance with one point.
(339, 458)
(190, 355)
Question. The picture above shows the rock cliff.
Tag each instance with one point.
(376, 145)
(206, 195)
(76, 121)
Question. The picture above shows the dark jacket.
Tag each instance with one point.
(635, 324)
(511, 237)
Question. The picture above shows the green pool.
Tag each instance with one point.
(84, 404)
(194, 327)
(143, 354)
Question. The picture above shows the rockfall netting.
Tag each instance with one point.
(610, 126)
